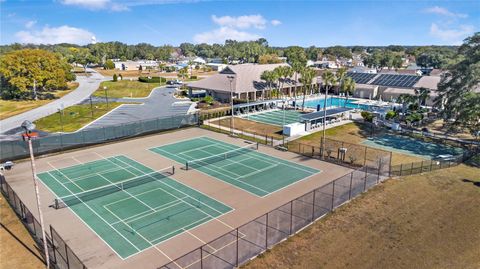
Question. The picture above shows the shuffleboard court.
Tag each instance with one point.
(243, 167)
(128, 205)
(275, 117)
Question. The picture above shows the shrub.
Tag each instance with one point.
(115, 77)
(367, 116)
(109, 65)
(208, 99)
(193, 77)
(152, 79)
(390, 115)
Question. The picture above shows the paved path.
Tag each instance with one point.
(87, 85)
(160, 103)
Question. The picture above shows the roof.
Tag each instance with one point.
(429, 82)
(399, 91)
(361, 86)
(320, 114)
(246, 78)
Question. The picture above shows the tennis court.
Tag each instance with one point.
(242, 167)
(275, 117)
(130, 206)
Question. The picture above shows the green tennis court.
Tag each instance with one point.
(275, 117)
(243, 167)
(128, 205)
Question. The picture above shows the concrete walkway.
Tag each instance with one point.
(87, 85)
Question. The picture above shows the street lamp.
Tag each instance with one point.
(230, 79)
(28, 127)
(106, 96)
(324, 117)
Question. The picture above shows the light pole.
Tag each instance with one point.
(324, 116)
(230, 79)
(106, 96)
(28, 127)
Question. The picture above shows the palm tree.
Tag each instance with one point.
(348, 87)
(422, 95)
(269, 77)
(307, 78)
(329, 80)
(341, 75)
(297, 68)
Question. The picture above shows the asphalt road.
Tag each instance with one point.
(87, 85)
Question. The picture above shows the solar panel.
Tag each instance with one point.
(361, 78)
(394, 80)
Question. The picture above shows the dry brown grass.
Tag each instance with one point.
(251, 127)
(14, 254)
(9, 108)
(354, 133)
(423, 221)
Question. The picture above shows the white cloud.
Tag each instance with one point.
(30, 24)
(222, 34)
(275, 22)
(55, 35)
(445, 12)
(96, 4)
(241, 22)
(452, 36)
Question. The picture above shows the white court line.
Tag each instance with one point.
(217, 171)
(70, 181)
(158, 208)
(213, 218)
(200, 221)
(128, 226)
(94, 212)
(153, 212)
(202, 147)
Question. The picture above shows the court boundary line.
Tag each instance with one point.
(61, 173)
(139, 251)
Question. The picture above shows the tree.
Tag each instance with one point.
(188, 49)
(338, 52)
(329, 80)
(269, 77)
(283, 73)
(313, 53)
(109, 65)
(21, 69)
(422, 95)
(406, 100)
(296, 54)
(269, 59)
(308, 74)
(183, 73)
(297, 68)
(115, 78)
(81, 56)
(457, 87)
(348, 88)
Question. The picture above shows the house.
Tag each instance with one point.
(217, 66)
(244, 82)
(135, 65)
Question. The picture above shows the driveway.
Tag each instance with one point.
(87, 85)
(160, 103)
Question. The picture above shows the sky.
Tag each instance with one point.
(282, 23)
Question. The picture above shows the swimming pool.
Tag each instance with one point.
(334, 102)
(411, 146)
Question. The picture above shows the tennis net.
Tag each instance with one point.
(219, 157)
(76, 198)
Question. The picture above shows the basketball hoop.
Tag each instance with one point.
(30, 135)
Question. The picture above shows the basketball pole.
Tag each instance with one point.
(37, 195)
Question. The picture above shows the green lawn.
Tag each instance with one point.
(125, 88)
(9, 108)
(74, 117)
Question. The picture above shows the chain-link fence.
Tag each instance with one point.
(61, 256)
(10, 150)
(344, 153)
(255, 237)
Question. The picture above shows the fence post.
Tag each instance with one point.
(201, 256)
(411, 168)
(53, 244)
(350, 190)
(365, 157)
(401, 169)
(291, 217)
(333, 194)
(390, 165)
(266, 232)
(236, 265)
(313, 206)
(365, 181)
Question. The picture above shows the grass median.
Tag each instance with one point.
(74, 117)
(126, 88)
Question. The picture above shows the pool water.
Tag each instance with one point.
(333, 102)
(411, 146)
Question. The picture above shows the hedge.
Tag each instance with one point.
(152, 79)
